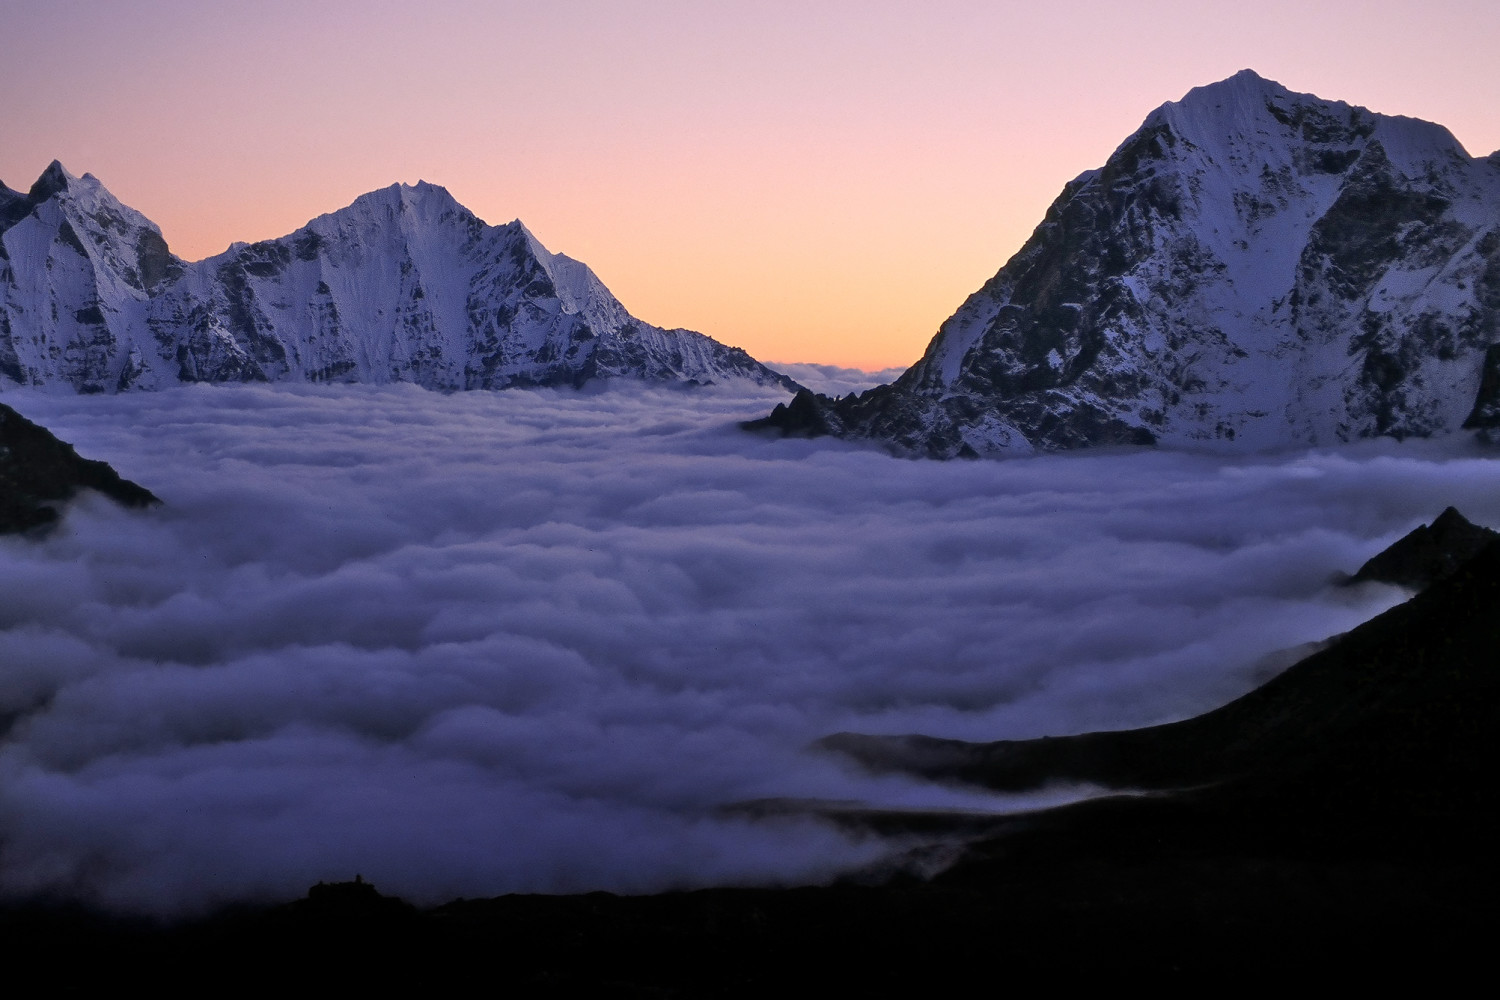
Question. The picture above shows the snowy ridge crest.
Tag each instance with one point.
(1252, 268)
(403, 285)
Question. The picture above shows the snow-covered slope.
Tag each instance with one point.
(77, 271)
(1252, 268)
(404, 285)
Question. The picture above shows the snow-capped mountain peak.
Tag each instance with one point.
(1252, 268)
(404, 284)
(1248, 109)
(77, 268)
(52, 181)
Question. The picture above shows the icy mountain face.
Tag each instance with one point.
(404, 285)
(39, 473)
(77, 270)
(1253, 268)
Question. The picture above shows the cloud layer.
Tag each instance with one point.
(534, 640)
(835, 380)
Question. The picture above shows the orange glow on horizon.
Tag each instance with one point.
(811, 184)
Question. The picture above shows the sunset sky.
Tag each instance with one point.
(812, 182)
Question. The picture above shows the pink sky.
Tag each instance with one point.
(812, 182)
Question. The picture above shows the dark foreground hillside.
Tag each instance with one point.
(39, 473)
(1337, 824)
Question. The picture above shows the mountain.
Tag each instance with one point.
(1427, 553)
(404, 285)
(1252, 268)
(38, 473)
(1396, 714)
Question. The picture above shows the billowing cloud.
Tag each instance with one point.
(835, 380)
(536, 640)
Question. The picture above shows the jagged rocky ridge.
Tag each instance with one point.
(404, 285)
(1253, 268)
(38, 473)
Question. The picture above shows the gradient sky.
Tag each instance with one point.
(810, 182)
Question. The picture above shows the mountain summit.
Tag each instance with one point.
(1252, 268)
(404, 285)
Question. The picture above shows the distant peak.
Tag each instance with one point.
(1240, 104)
(397, 194)
(1248, 78)
(530, 238)
(54, 179)
(424, 189)
(420, 193)
(1246, 81)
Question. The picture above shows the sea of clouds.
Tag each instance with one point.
(835, 380)
(537, 640)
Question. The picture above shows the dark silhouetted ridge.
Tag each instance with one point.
(1428, 553)
(1398, 714)
(38, 472)
(802, 416)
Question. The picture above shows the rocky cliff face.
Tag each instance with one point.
(404, 285)
(1253, 268)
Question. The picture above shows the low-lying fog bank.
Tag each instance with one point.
(532, 640)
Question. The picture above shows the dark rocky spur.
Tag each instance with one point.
(39, 474)
(1398, 713)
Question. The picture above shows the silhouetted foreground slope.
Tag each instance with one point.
(38, 472)
(1338, 822)
(1400, 711)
